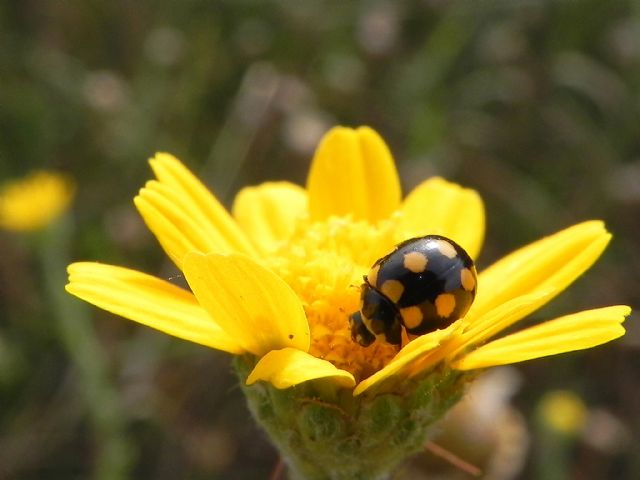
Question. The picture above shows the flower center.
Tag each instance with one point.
(324, 263)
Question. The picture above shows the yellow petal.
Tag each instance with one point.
(565, 334)
(175, 228)
(409, 354)
(353, 173)
(443, 208)
(251, 303)
(491, 322)
(288, 367)
(498, 319)
(268, 213)
(182, 213)
(548, 265)
(149, 301)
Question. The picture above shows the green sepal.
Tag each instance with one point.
(323, 432)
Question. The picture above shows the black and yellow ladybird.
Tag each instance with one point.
(424, 284)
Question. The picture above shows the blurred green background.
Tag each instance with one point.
(536, 104)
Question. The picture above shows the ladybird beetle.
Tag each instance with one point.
(424, 284)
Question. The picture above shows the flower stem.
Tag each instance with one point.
(76, 334)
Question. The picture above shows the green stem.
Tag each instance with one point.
(78, 337)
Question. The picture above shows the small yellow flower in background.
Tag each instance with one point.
(35, 201)
(563, 411)
(274, 283)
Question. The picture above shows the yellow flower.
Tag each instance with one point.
(35, 201)
(278, 278)
(563, 411)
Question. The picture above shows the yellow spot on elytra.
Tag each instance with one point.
(411, 316)
(445, 303)
(392, 289)
(446, 249)
(468, 279)
(415, 261)
(372, 276)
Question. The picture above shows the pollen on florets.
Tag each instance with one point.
(324, 263)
